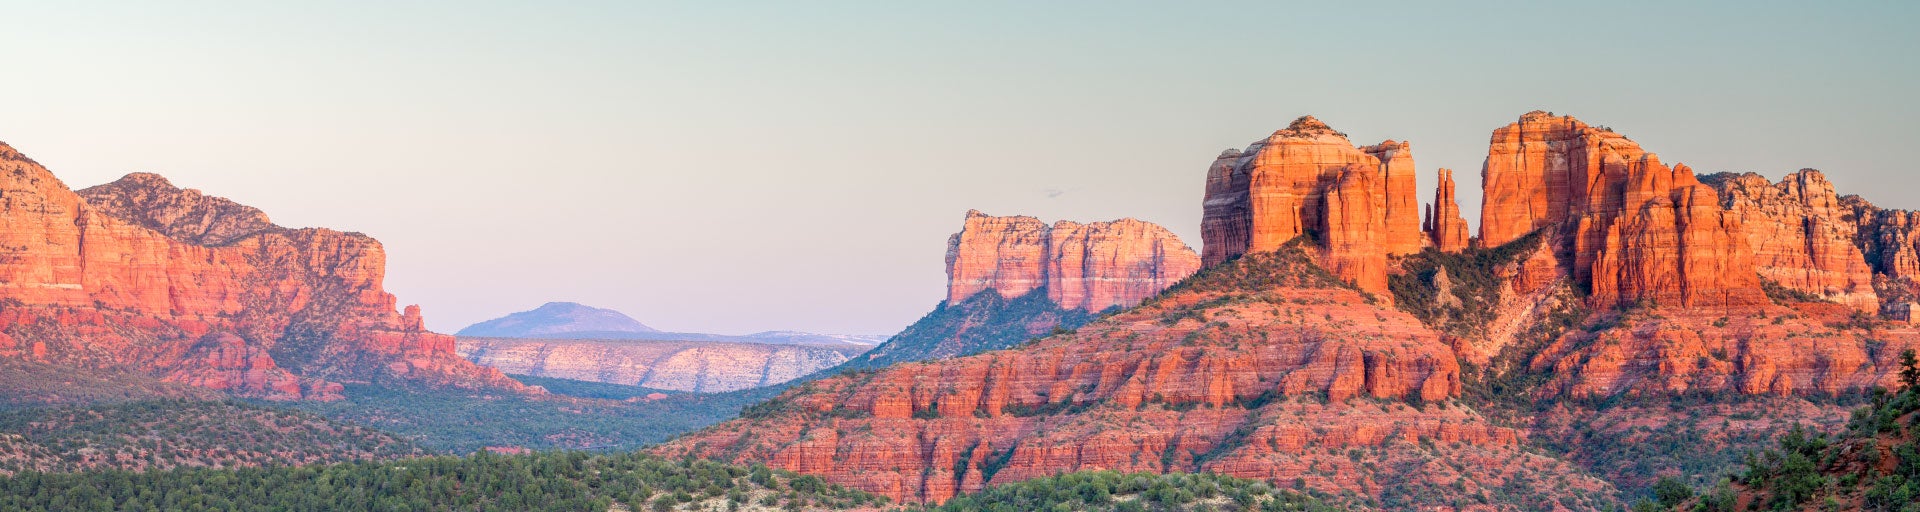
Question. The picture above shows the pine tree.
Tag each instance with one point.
(1909, 374)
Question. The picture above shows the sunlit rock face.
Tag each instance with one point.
(1308, 178)
(1081, 266)
(144, 276)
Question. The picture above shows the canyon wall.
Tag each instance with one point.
(1081, 266)
(144, 276)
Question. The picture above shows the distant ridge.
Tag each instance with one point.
(574, 321)
(554, 318)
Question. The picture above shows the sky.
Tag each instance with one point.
(735, 167)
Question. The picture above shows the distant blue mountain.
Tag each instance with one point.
(555, 319)
(571, 321)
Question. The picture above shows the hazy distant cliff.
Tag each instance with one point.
(705, 366)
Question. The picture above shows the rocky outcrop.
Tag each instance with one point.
(1445, 229)
(557, 318)
(1278, 189)
(1812, 348)
(1801, 236)
(1890, 241)
(1640, 232)
(140, 275)
(152, 202)
(1191, 380)
(699, 366)
(1081, 266)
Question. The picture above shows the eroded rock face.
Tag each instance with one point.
(1802, 237)
(1081, 266)
(1810, 348)
(1224, 374)
(1890, 242)
(1278, 188)
(200, 289)
(1641, 232)
(1446, 230)
(697, 366)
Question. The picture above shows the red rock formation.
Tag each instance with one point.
(1801, 236)
(1401, 211)
(1809, 349)
(1276, 190)
(1186, 381)
(140, 275)
(1641, 232)
(1890, 242)
(1673, 245)
(1446, 230)
(1082, 266)
(1356, 233)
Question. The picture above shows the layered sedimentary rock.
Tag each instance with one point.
(1811, 348)
(1445, 229)
(1890, 242)
(1802, 237)
(1278, 188)
(1081, 266)
(1188, 381)
(1356, 234)
(140, 275)
(700, 366)
(1640, 232)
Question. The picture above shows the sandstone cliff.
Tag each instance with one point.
(1243, 370)
(1308, 178)
(699, 366)
(143, 276)
(1640, 232)
(1801, 236)
(1081, 266)
(1011, 279)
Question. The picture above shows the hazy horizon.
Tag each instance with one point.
(735, 169)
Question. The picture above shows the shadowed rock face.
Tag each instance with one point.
(1081, 266)
(700, 366)
(556, 318)
(140, 275)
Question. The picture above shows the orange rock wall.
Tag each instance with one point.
(1801, 236)
(204, 299)
(1082, 266)
(1642, 232)
(1277, 189)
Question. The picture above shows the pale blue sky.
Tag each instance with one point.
(734, 167)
